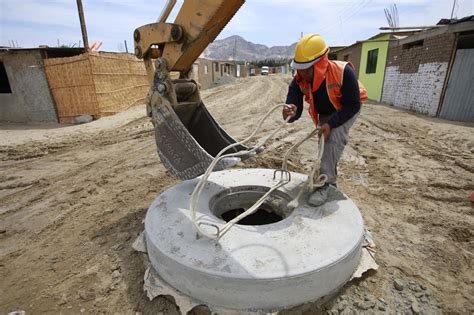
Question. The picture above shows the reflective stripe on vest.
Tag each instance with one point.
(334, 80)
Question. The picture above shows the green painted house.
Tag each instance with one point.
(372, 64)
(373, 59)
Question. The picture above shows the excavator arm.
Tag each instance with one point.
(197, 24)
(187, 136)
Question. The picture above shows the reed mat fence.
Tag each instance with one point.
(96, 83)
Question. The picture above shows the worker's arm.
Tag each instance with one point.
(350, 99)
(294, 97)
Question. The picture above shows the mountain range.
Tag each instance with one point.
(237, 48)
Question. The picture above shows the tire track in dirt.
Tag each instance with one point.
(253, 104)
(141, 127)
(421, 185)
(83, 212)
(94, 188)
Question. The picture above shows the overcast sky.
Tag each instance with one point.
(30, 23)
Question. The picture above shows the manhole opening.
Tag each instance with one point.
(259, 217)
(230, 203)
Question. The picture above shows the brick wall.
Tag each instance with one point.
(353, 54)
(416, 71)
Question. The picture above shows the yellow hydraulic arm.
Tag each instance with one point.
(197, 24)
(187, 136)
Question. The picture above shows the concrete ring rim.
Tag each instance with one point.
(258, 229)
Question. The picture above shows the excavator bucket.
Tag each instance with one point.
(187, 143)
(187, 136)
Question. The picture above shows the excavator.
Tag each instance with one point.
(187, 136)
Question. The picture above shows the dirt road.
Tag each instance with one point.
(72, 201)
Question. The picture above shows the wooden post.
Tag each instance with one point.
(83, 25)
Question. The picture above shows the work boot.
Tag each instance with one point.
(319, 196)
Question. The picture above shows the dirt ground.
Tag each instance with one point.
(72, 200)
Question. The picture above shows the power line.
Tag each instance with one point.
(347, 11)
(353, 12)
(343, 14)
(362, 6)
(358, 10)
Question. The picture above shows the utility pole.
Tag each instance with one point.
(235, 49)
(83, 25)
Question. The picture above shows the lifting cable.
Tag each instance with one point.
(285, 177)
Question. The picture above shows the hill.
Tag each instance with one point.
(236, 47)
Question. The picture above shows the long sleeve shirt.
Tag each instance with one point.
(350, 99)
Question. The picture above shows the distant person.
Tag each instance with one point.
(332, 91)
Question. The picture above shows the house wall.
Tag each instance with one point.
(243, 70)
(228, 69)
(205, 73)
(373, 82)
(415, 75)
(353, 54)
(30, 99)
(216, 68)
(280, 69)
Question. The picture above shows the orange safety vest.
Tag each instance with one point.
(334, 77)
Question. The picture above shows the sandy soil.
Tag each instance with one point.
(72, 201)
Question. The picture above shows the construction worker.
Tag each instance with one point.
(332, 91)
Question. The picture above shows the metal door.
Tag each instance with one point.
(458, 102)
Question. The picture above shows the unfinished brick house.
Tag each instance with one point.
(431, 72)
(60, 84)
(369, 58)
(206, 71)
(351, 53)
(25, 95)
(203, 72)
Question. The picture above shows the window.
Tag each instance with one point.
(205, 69)
(372, 61)
(4, 83)
(346, 57)
(466, 40)
(216, 67)
(418, 43)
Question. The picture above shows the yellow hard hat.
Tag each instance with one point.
(308, 51)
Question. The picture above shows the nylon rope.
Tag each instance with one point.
(285, 177)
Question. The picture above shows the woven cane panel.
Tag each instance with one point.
(72, 85)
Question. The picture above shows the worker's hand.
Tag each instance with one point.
(289, 111)
(325, 131)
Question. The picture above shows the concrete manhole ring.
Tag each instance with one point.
(275, 261)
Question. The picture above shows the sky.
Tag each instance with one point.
(29, 23)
